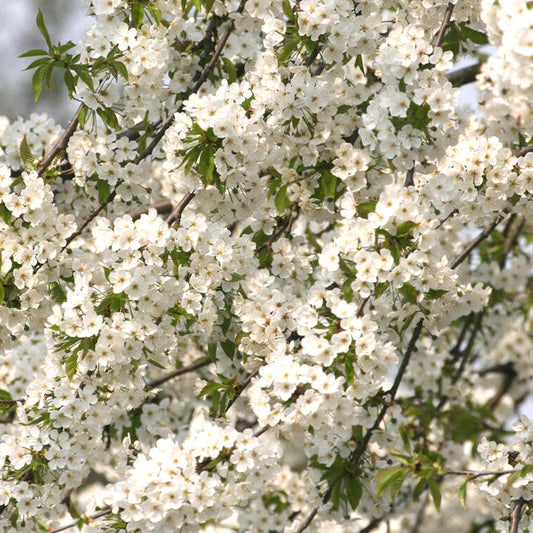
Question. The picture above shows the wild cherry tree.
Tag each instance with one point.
(271, 277)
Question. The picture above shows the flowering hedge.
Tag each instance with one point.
(271, 277)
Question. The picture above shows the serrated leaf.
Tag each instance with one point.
(26, 155)
(71, 365)
(434, 489)
(42, 28)
(210, 388)
(38, 80)
(386, 477)
(83, 72)
(122, 70)
(281, 201)
(82, 117)
(34, 52)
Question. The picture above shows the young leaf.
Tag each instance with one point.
(34, 52)
(37, 81)
(354, 491)
(42, 28)
(434, 489)
(281, 200)
(26, 155)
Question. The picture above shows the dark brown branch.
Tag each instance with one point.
(175, 216)
(204, 361)
(240, 388)
(475, 243)
(515, 516)
(61, 143)
(444, 26)
(308, 521)
(525, 150)
(284, 227)
(90, 217)
(464, 75)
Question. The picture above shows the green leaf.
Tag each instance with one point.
(281, 200)
(103, 189)
(434, 294)
(70, 82)
(364, 208)
(476, 36)
(328, 183)
(434, 489)
(462, 493)
(287, 49)
(122, 70)
(37, 81)
(228, 347)
(2, 293)
(409, 293)
(380, 288)
(405, 228)
(230, 69)
(287, 9)
(109, 117)
(57, 292)
(212, 351)
(155, 12)
(5, 395)
(26, 155)
(34, 52)
(71, 364)
(156, 363)
(83, 72)
(354, 491)
(137, 14)
(387, 477)
(82, 117)
(42, 28)
(206, 167)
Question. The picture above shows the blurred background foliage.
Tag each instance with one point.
(18, 33)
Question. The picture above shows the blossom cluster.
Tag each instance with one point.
(272, 277)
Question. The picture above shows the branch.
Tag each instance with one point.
(284, 227)
(61, 143)
(444, 25)
(204, 361)
(175, 216)
(88, 219)
(464, 75)
(101, 513)
(475, 243)
(515, 516)
(162, 207)
(473, 474)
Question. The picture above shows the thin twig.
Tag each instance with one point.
(284, 227)
(162, 207)
(61, 143)
(444, 26)
(175, 216)
(99, 514)
(474, 474)
(89, 218)
(475, 243)
(204, 361)
(308, 521)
